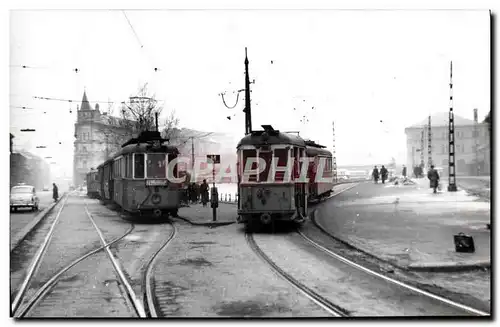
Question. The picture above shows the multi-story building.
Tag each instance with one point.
(470, 139)
(97, 136)
(29, 169)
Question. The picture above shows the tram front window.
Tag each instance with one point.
(138, 165)
(155, 165)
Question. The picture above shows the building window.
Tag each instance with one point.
(84, 164)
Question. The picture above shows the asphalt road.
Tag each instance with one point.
(24, 216)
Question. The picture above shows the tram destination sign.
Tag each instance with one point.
(213, 158)
(156, 182)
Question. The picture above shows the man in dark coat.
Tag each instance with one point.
(204, 192)
(375, 174)
(55, 192)
(433, 177)
(383, 173)
(404, 171)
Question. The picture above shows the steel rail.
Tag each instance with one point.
(310, 294)
(49, 285)
(391, 280)
(36, 262)
(388, 279)
(128, 288)
(149, 298)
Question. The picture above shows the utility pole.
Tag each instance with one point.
(452, 186)
(334, 157)
(192, 153)
(247, 110)
(156, 120)
(422, 140)
(429, 145)
(476, 144)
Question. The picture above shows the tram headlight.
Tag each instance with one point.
(156, 198)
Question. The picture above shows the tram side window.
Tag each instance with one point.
(125, 166)
(122, 167)
(138, 165)
(156, 167)
(246, 155)
(128, 169)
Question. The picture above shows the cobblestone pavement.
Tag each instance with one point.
(197, 214)
(206, 271)
(411, 227)
(213, 273)
(89, 289)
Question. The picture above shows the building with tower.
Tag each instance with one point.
(97, 136)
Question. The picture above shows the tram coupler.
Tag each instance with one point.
(265, 218)
(157, 213)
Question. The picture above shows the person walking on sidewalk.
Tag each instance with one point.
(433, 177)
(375, 175)
(383, 172)
(404, 172)
(55, 192)
(204, 192)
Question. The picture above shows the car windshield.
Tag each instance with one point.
(21, 189)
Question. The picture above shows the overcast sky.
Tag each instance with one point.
(353, 67)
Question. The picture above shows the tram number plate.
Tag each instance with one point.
(156, 182)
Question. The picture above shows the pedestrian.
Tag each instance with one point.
(204, 192)
(404, 172)
(375, 174)
(433, 177)
(192, 190)
(55, 193)
(383, 173)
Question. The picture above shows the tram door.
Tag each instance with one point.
(300, 187)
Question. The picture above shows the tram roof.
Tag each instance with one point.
(314, 151)
(270, 136)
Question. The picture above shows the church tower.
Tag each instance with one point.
(85, 139)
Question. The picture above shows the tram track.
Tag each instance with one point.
(35, 263)
(151, 306)
(143, 306)
(22, 304)
(411, 288)
(129, 292)
(321, 301)
(49, 285)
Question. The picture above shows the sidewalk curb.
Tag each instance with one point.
(433, 267)
(449, 267)
(208, 224)
(19, 237)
